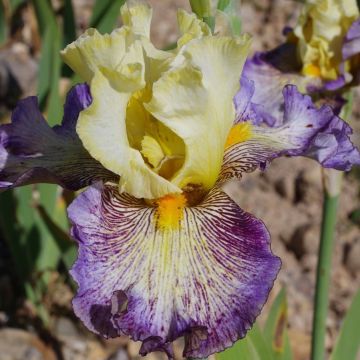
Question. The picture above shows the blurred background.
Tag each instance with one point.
(36, 252)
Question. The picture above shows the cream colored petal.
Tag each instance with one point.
(195, 100)
(190, 27)
(137, 17)
(156, 61)
(102, 129)
(92, 50)
(152, 150)
(321, 28)
(349, 7)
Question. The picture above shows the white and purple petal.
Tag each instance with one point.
(31, 151)
(206, 280)
(245, 108)
(269, 79)
(304, 130)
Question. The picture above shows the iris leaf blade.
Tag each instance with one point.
(69, 23)
(104, 19)
(275, 330)
(13, 232)
(348, 343)
(252, 347)
(3, 26)
(45, 66)
(41, 250)
(44, 14)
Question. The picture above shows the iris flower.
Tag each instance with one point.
(163, 251)
(320, 55)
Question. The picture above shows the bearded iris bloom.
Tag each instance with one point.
(163, 251)
(320, 56)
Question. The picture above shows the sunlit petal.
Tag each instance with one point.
(189, 100)
(102, 129)
(304, 131)
(160, 272)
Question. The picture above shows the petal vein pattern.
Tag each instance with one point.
(31, 151)
(207, 279)
(304, 130)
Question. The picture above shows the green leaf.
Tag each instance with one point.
(69, 23)
(45, 66)
(55, 104)
(275, 331)
(13, 233)
(59, 230)
(45, 15)
(50, 62)
(42, 250)
(105, 14)
(355, 216)
(252, 347)
(3, 25)
(15, 3)
(69, 33)
(24, 238)
(223, 4)
(348, 343)
(99, 11)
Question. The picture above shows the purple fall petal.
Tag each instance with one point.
(245, 110)
(328, 138)
(31, 151)
(303, 130)
(269, 82)
(206, 280)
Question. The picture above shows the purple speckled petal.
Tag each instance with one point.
(31, 151)
(206, 280)
(304, 131)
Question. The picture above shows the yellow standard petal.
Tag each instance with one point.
(137, 17)
(190, 27)
(320, 30)
(102, 129)
(195, 100)
(92, 51)
(158, 119)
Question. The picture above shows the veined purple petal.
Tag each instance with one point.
(206, 280)
(269, 82)
(304, 131)
(31, 151)
(332, 147)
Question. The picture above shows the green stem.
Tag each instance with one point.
(332, 188)
(323, 275)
